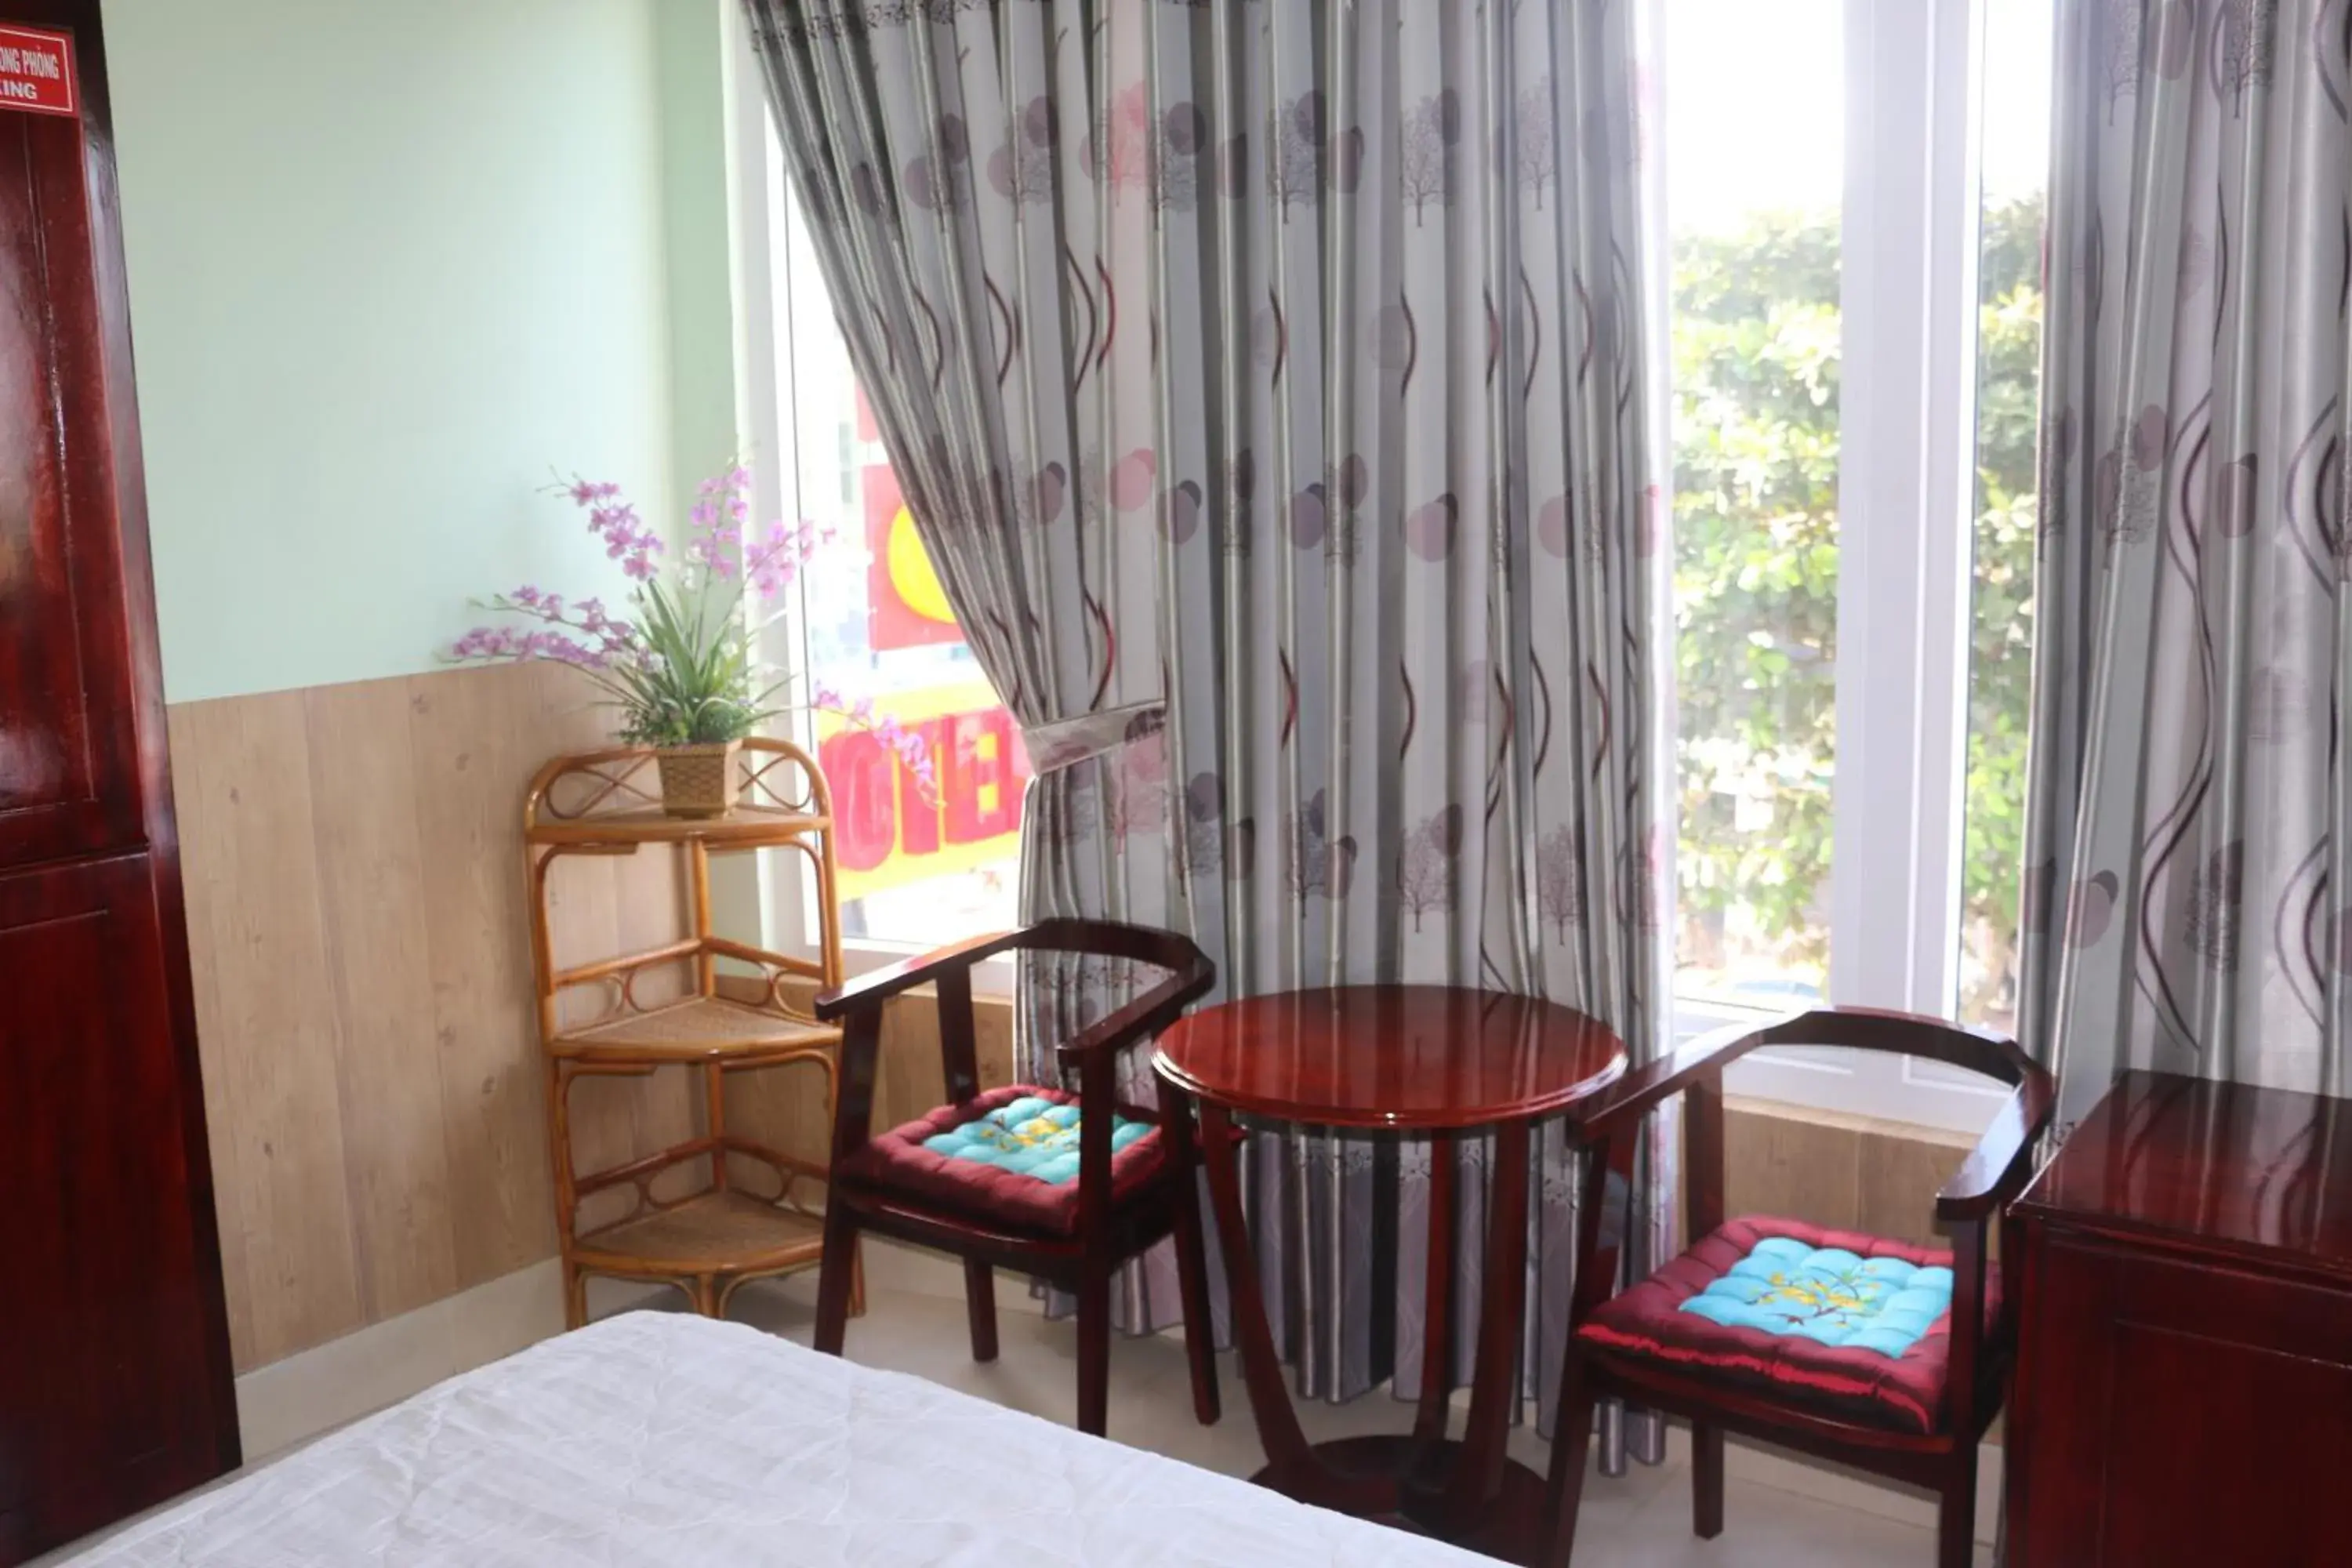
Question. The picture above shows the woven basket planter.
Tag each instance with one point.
(698, 782)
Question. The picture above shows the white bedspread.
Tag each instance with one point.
(659, 1438)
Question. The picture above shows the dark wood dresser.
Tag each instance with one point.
(2184, 1380)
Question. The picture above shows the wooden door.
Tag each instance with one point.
(69, 765)
(115, 1387)
(109, 1407)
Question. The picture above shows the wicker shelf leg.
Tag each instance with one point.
(714, 1116)
(567, 1197)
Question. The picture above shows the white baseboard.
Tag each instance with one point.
(293, 1401)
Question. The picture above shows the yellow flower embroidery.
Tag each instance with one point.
(1037, 1133)
(1817, 1297)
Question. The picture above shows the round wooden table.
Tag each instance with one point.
(1430, 1060)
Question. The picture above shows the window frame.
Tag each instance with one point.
(763, 257)
(1911, 223)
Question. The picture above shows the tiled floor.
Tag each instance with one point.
(1776, 1511)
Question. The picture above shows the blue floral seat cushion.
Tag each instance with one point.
(1011, 1154)
(1033, 1136)
(1856, 1326)
(1825, 1293)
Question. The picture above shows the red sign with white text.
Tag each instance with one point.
(37, 74)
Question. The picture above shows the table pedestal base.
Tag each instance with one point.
(1401, 1482)
(1399, 1061)
(1466, 1492)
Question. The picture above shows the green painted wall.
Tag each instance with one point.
(692, 39)
(390, 265)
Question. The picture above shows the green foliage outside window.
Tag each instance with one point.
(1757, 393)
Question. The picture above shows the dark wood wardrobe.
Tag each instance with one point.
(115, 1385)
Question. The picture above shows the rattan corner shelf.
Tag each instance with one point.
(668, 1006)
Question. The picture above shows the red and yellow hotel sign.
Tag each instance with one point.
(906, 605)
(885, 832)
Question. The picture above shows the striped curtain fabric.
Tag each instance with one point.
(1285, 361)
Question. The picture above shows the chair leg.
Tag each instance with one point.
(1955, 1519)
(835, 1273)
(1200, 1326)
(1094, 1348)
(1572, 1443)
(1706, 1480)
(575, 1297)
(980, 1303)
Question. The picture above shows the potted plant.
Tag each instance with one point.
(683, 666)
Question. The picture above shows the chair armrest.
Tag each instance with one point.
(1908, 1034)
(873, 989)
(1855, 1028)
(1997, 1168)
(1607, 1110)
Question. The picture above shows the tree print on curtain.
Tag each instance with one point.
(1425, 867)
(1293, 141)
(1247, 356)
(1425, 166)
(2190, 818)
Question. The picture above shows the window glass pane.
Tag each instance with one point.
(1754, 181)
(2009, 379)
(877, 628)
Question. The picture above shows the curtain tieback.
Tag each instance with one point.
(1066, 743)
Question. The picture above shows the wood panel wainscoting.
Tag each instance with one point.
(363, 977)
(361, 955)
(1848, 1172)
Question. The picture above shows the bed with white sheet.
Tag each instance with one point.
(659, 1438)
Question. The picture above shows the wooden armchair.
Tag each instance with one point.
(1832, 1344)
(1063, 1188)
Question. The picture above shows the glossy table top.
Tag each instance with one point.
(1391, 1056)
(2227, 1167)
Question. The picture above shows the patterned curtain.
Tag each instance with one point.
(1283, 360)
(2187, 906)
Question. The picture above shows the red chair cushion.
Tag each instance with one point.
(898, 1162)
(1903, 1393)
